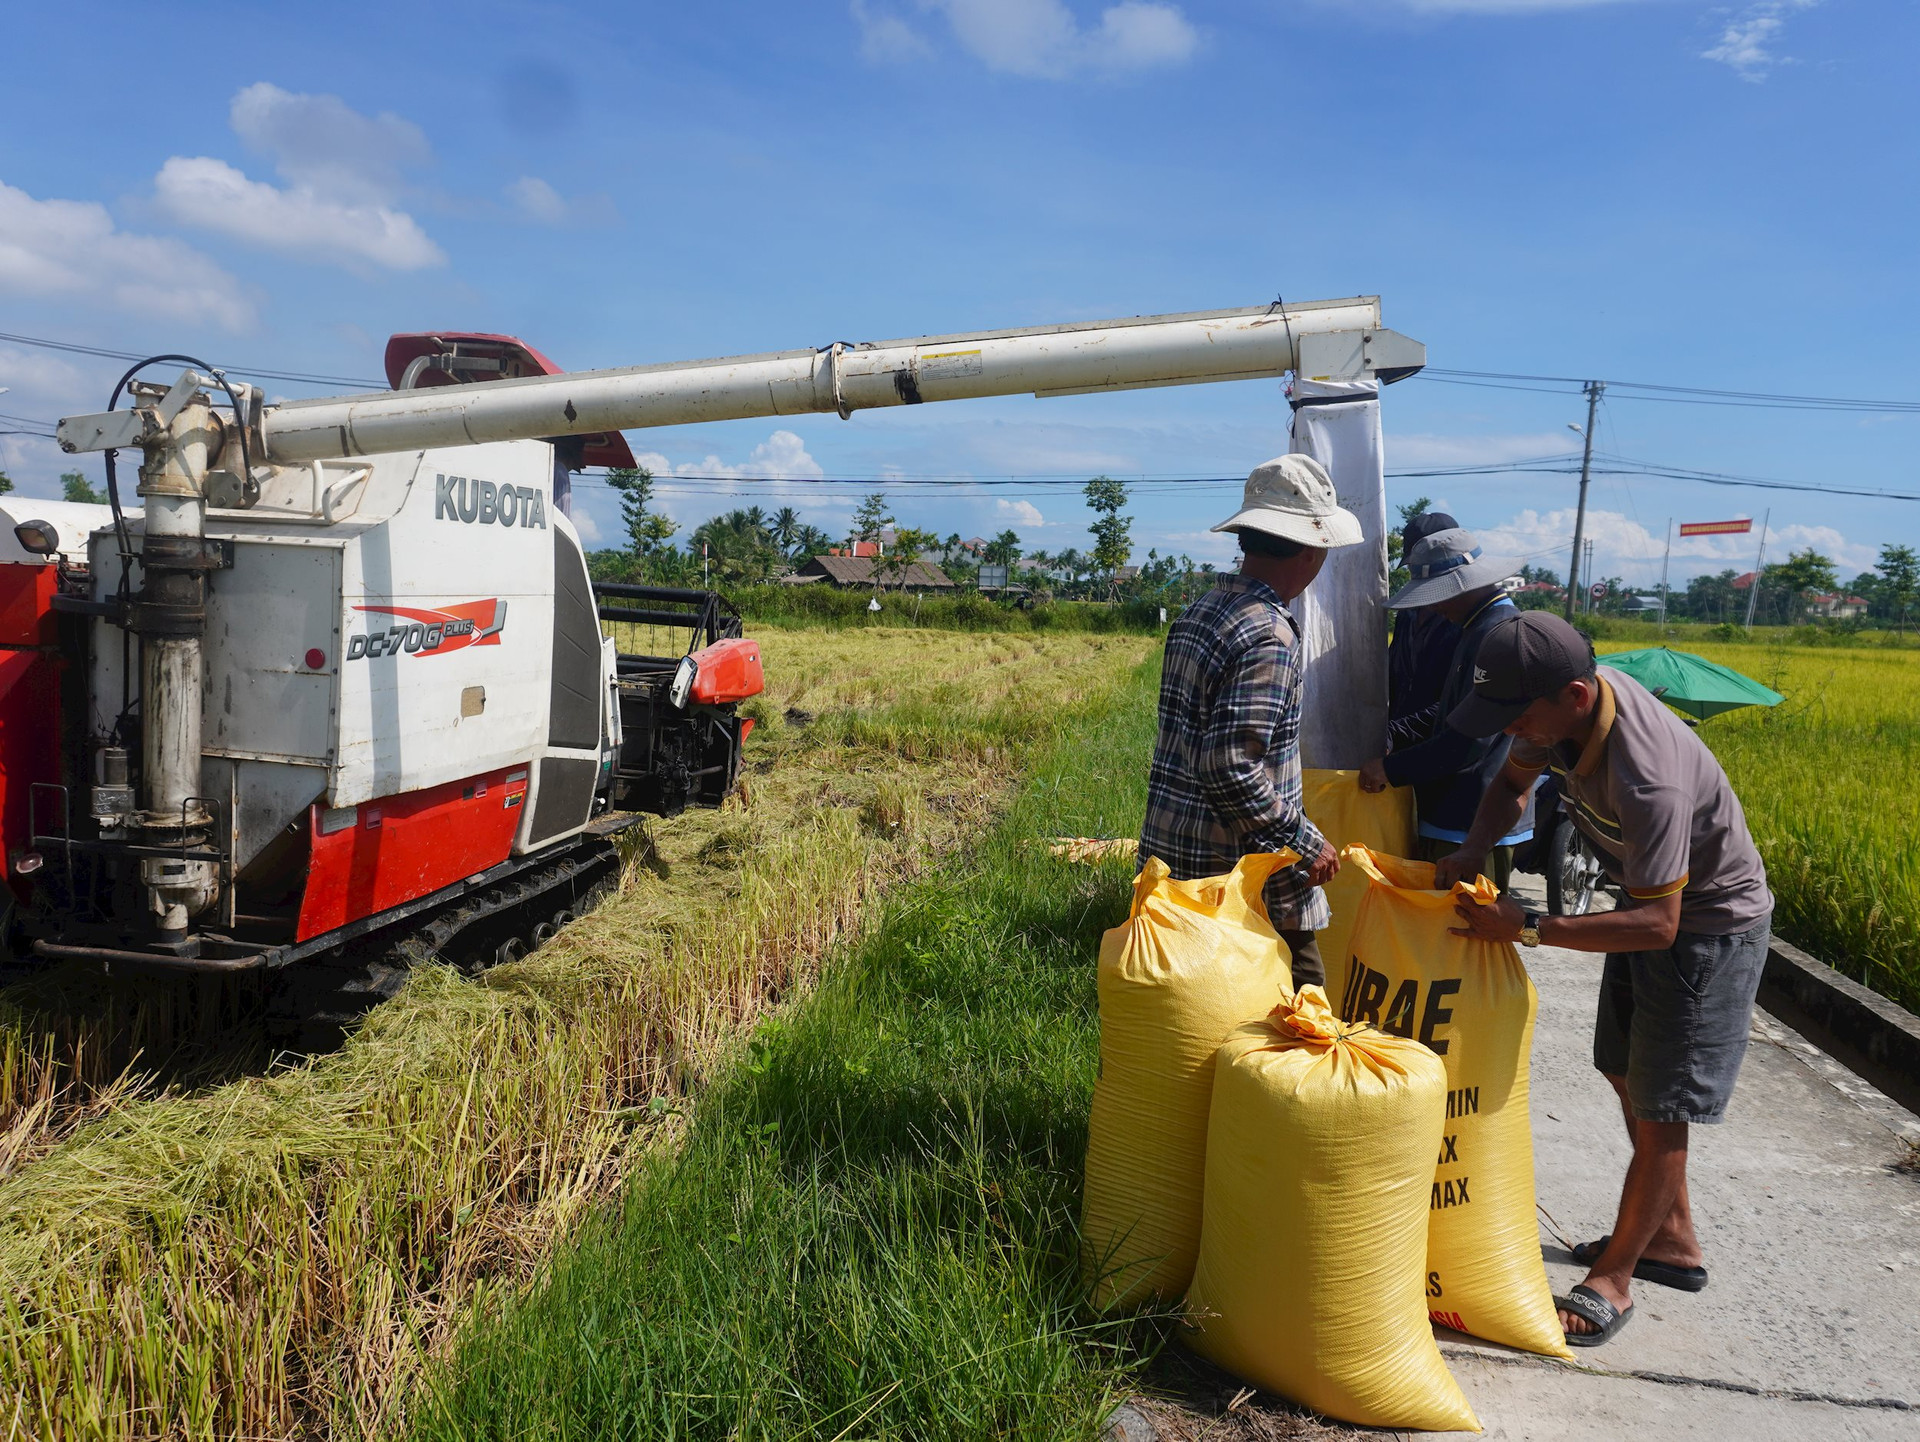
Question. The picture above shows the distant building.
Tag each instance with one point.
(1837, 608)
(1827, 608)
(856, 573)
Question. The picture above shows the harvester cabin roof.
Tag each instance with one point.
(851, 572)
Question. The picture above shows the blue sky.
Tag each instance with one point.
(1647, 190)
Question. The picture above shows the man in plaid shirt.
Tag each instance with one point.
(1226, 767)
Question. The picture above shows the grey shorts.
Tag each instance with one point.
(1674, 1023)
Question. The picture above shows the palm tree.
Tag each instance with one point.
(785, 528)
(810, 541)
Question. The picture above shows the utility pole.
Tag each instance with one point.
(1594, 388)
(1759, 564)
(1664, 562)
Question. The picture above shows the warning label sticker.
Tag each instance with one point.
(949, 364)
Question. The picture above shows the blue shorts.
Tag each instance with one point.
(1674, 1023)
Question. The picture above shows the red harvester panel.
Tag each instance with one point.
(729, 671)
(399, 848)
(29, 703)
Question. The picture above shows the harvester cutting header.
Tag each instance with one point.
(341, 676)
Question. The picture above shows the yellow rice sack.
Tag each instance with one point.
(1383, 822)
(1473, 1003)
(1313, 1249)
(1193, 960)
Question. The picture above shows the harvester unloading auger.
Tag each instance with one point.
(340, 688)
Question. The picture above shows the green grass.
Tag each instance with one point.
(871, 1228)
(280, 1255)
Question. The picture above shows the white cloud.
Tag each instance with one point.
(1622, 546)
(1746, 43)
(1218, 547)
(35, 374)
(56, 249)
(345, 172)
(538, 200)
(885, 36)
(1500, 7)
(322, 143)
(1421, 449)
(584, 523)
(1037, 39)
(781, 456)
(1023, 513)
(212, 195)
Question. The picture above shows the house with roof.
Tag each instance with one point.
(1837, 608)
(857, 573)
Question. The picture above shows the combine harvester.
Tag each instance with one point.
(335, 699)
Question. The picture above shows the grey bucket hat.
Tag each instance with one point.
(1447, 564)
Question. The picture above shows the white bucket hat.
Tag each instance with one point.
(1292, 497)
(1447, 564)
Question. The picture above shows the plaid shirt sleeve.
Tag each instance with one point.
(1231, 759)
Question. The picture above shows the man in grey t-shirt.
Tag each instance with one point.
(1684, 952)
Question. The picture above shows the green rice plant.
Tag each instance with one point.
(1824, 780)
(822, 605)
(871, 1228)
(278, 1255)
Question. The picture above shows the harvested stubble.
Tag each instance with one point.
(870, 1230)
(1825, 782)
(276, 1256)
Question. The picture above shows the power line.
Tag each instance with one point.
(1612, 465)
(1677, 395)
(73, 348)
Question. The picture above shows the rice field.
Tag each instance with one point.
(277, 1255)
(1827, 781)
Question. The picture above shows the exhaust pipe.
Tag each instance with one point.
(169, 615)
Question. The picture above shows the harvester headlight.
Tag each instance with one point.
(683, 680)
(25, 863)
(38, 537)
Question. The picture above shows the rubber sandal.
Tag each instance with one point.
(1661, 1274)
(1583, 1301)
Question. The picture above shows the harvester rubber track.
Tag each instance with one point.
(312, 1003)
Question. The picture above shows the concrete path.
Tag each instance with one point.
(1811, 1327)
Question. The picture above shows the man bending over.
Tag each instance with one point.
(1684, 953)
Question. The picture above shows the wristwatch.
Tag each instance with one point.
(1530, 928)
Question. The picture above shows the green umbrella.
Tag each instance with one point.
(1690, 683)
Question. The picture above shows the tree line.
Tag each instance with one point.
(751, 545)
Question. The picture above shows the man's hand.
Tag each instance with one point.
(1324, 867)
(1373, 776)
(1499, 922)
(1457, 866)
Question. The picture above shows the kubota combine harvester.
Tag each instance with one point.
(335, 697)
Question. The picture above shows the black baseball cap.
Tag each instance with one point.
(1422, 526)
(1523, 658)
